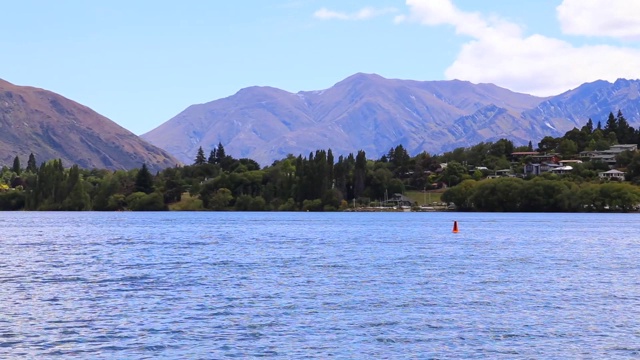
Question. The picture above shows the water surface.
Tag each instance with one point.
(319, 285)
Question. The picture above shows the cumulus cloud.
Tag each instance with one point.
(499, 53)
(362, 14)
(618, 19)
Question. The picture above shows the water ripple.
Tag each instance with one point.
(304, 285)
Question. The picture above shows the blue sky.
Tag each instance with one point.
(142, 62)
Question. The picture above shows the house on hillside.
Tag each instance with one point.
(503, 172)
(478, 168)
(569, 162)
(398, 200)
(532, 169)
(539, 168)
(612, 175)
(545, 158)
(561, 170)
(519, 155)
(623, 147)
(608, 156)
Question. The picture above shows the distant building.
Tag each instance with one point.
(623, 147)
(612, 174)
(478, 168)
(608, 156)
(503, 172)
(568, 162)
(532, 169)
(518, 155)
(561, 170)
(546, 158)
(398, 200)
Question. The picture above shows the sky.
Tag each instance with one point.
(142, 62)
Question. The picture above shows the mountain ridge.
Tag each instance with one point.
(51, 126)
(362, 111)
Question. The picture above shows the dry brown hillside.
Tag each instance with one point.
(51, 126)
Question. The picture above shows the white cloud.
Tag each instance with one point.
(499, 53)
(362, 14)
(612, 18)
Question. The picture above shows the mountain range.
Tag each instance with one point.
(362, 112)
(51, 126)
(372, 113)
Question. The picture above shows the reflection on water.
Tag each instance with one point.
(306, 285)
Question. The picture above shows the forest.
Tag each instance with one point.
(322, 182)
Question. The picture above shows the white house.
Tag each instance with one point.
(561, 170)
(612, 174)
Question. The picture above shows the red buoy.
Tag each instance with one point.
(455, 227)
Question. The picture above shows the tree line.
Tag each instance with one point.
(542, 194)
(319, 181)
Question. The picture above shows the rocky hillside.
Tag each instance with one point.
(51, 126)
(369, 112)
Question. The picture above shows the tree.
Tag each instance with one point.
(220, 199)
(567, 147)
(16, 165)
(453, 173)
(633, 169)
(144, 181)
(548, 144)
(624, 159)
(500, 148)
(220, 153)
(625, 134)
(460, 195)
(32, 167)
(611, 125)
(173, 185)
(139, 201)
(200, 159)
(78, 198)
(359, 174)
(212, 157)
(399, 159)
(588, 128)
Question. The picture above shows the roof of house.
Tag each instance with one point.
(612, 171)
(562, 169)
(525, 153)
(399, 197)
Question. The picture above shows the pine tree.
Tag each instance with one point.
(220, 154)
(625, 133)
(32, 167)
(212, 157)
(16, 165)
(144, 181)
(200, 159)
(360, 174)
(588, 128)
(612, 125)
(331, 170)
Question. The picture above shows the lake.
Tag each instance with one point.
(210, 285)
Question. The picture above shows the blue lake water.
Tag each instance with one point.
(213, 285)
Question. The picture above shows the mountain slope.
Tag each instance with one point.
(51, 126)
(592, 100)
(364, 111)
(369, 112)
